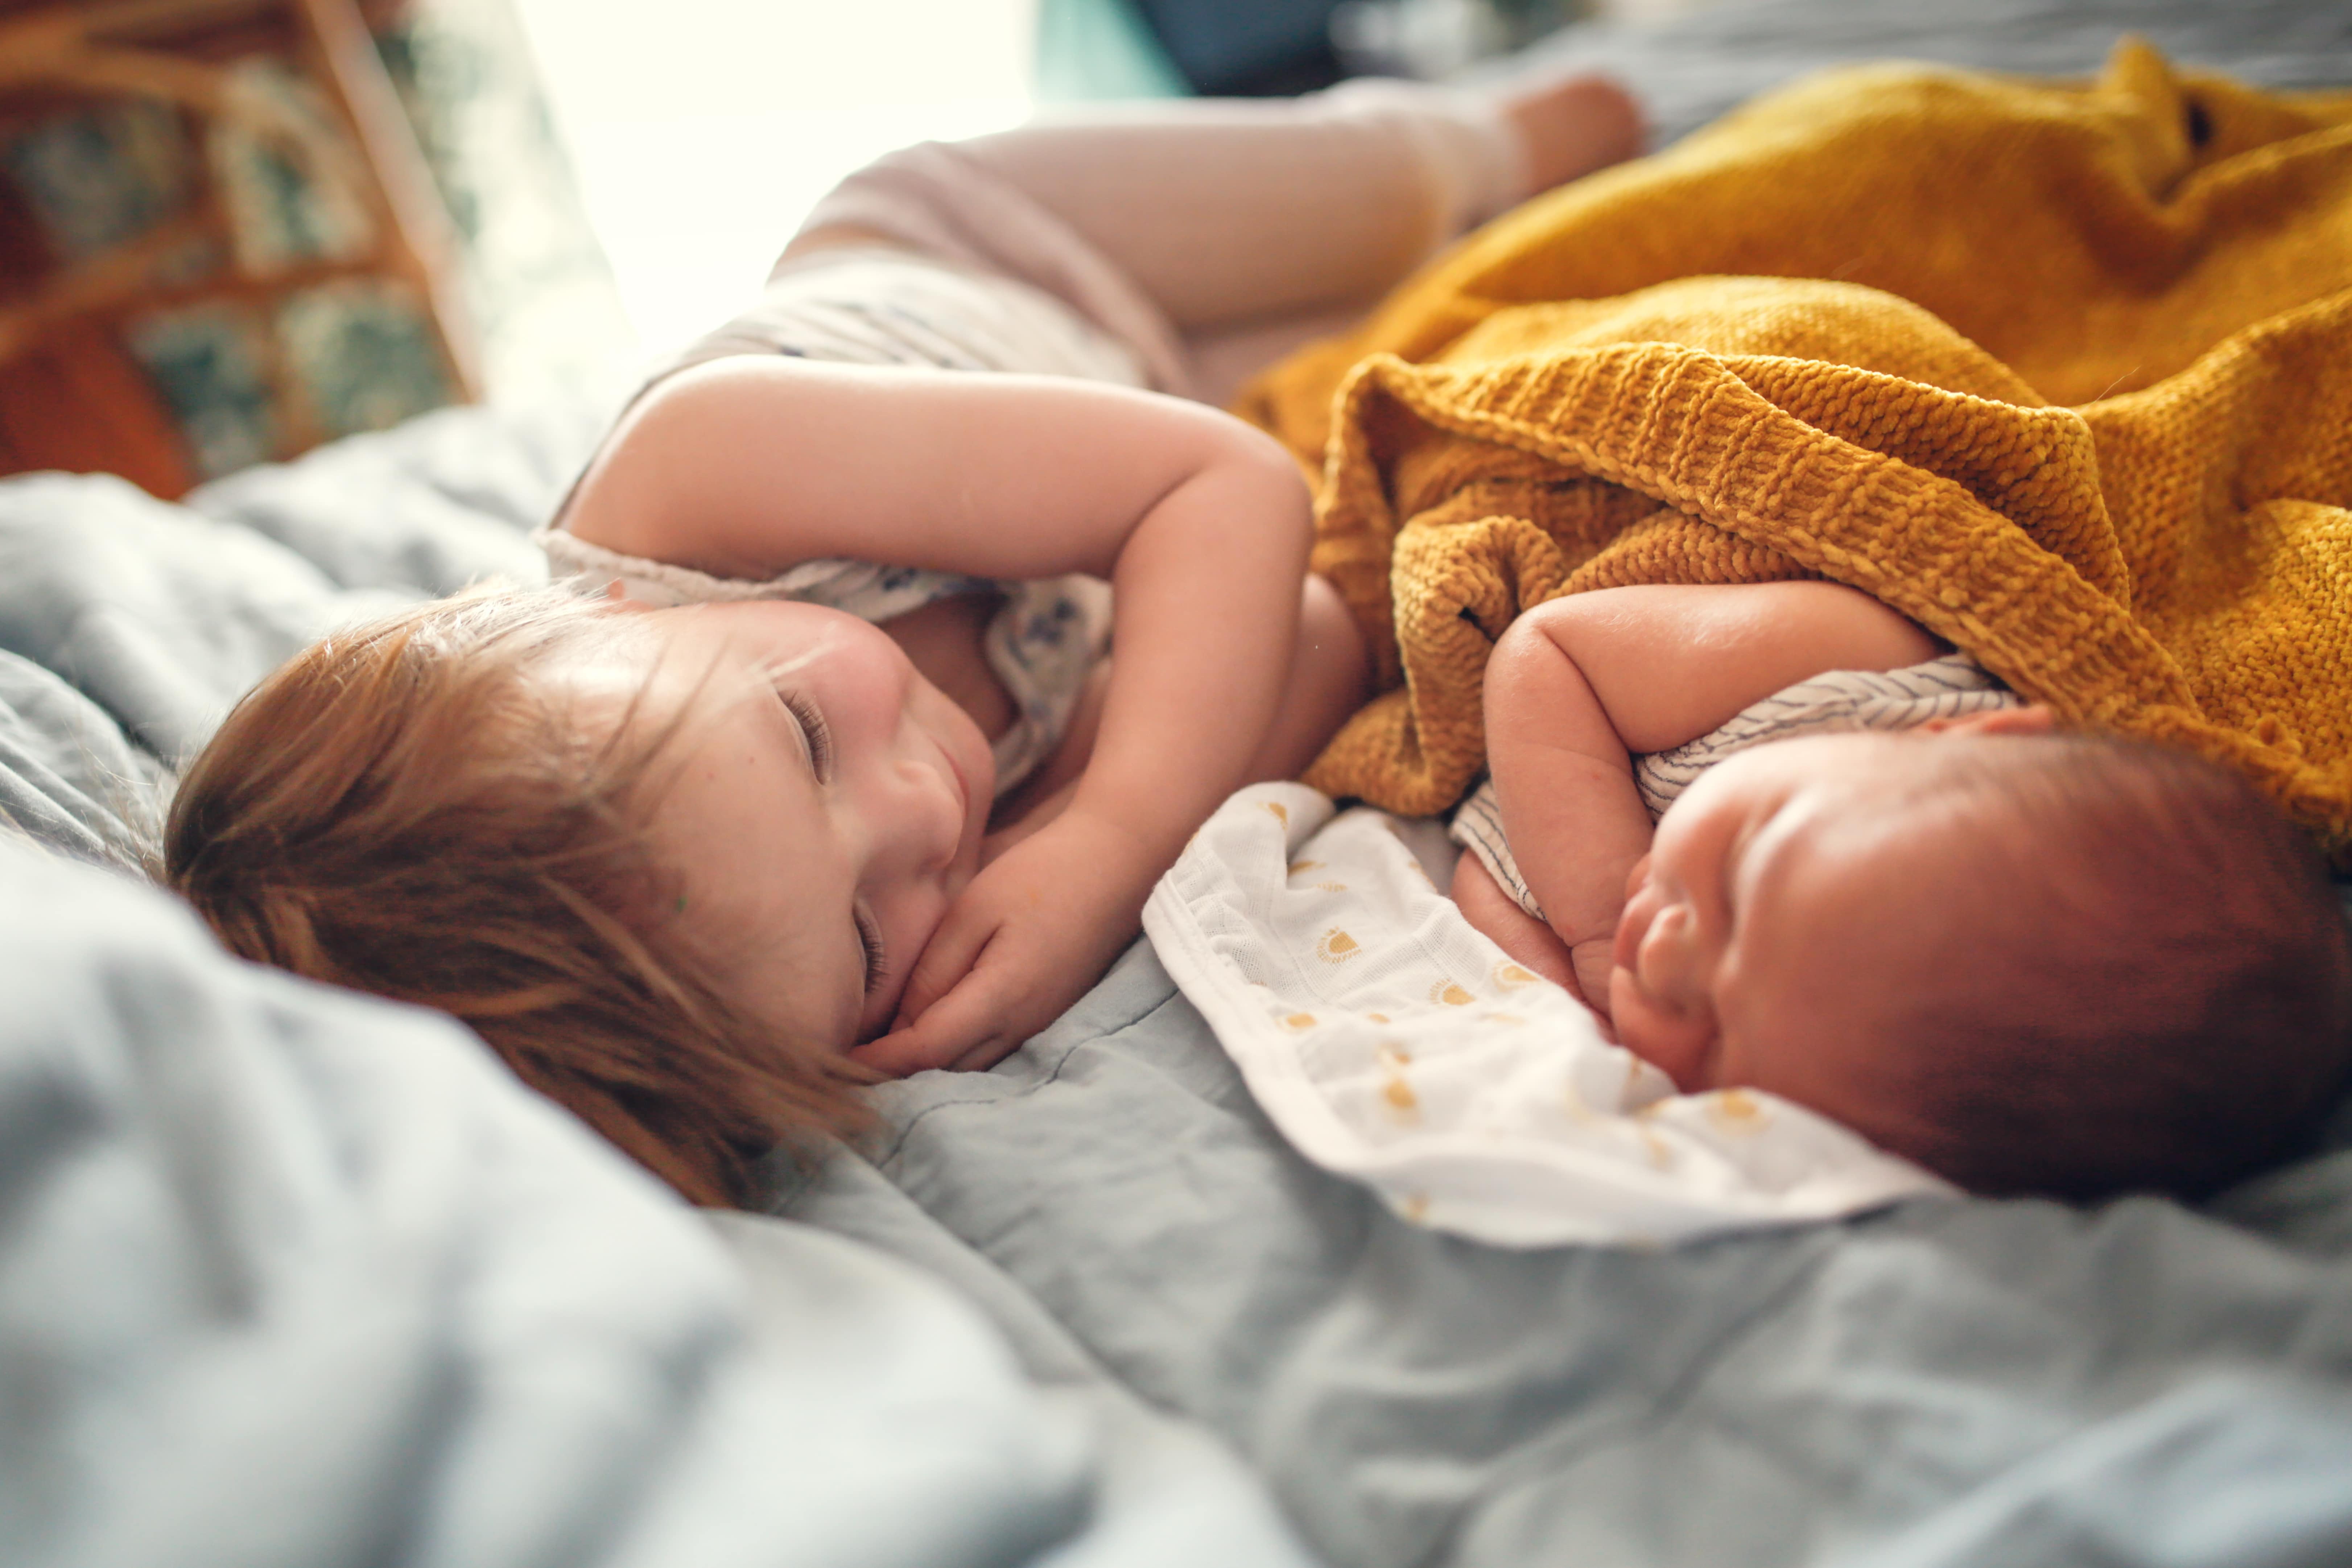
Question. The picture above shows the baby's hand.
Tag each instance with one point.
(1593, 963)
(1028, 936)
(1582, 969)
(1496, 915)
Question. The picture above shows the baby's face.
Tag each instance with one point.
(1781, 906)
(828, 806)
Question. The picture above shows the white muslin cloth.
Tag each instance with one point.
(1393, 1044)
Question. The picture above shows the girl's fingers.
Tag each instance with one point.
(986, 1054)
(1005, 960)
(963, 1029)
(951, 955)
(913, 1048)
(895, 1055)
(1595, 962)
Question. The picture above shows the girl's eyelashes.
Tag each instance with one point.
(877, 961)
(819, 733)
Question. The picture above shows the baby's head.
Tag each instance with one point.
(671, 865)
(2032, 961)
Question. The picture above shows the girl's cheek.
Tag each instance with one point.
(908, 927)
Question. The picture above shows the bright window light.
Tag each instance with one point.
(703, 130)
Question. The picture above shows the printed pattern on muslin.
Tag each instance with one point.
(1952, 687)
(887, 306)
(1393, 1045)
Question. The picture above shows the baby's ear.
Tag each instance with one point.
(2033, 719)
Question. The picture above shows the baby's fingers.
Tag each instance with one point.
(1595, 962)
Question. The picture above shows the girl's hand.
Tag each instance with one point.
(1028, 936)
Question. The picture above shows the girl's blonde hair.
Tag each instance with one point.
(408, 809)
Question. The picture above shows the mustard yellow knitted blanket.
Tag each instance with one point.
(2062, 373)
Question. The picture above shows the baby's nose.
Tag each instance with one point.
(1655, 946)
(1633, 925)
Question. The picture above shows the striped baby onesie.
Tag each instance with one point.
(1841, 701)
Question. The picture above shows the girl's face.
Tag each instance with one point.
(828, 808)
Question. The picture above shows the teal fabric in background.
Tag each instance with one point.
(1093, 51)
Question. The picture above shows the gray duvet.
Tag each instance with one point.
(289, 1276)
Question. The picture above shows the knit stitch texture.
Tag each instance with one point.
(2061, 372)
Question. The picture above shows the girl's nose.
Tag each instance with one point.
(930, 820)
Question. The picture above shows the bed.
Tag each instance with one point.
(288, 1275)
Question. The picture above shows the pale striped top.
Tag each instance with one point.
(1841, 701)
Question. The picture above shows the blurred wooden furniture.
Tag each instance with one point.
(73, 393)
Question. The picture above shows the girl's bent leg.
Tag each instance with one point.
(1227, 210)
(1330, 678)
(1181, 226)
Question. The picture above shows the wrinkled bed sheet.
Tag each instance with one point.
(294, 1277)
(288, 1276)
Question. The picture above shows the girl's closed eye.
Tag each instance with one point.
(813, 730)
(818, 734)
(877, 957)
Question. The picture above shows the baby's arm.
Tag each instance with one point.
(1578, 685)
(748, 466)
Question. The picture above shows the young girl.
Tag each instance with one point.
(827, 775)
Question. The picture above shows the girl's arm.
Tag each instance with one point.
(1578, 685)
(749, 465)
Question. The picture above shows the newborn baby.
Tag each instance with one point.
(2029, 961)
